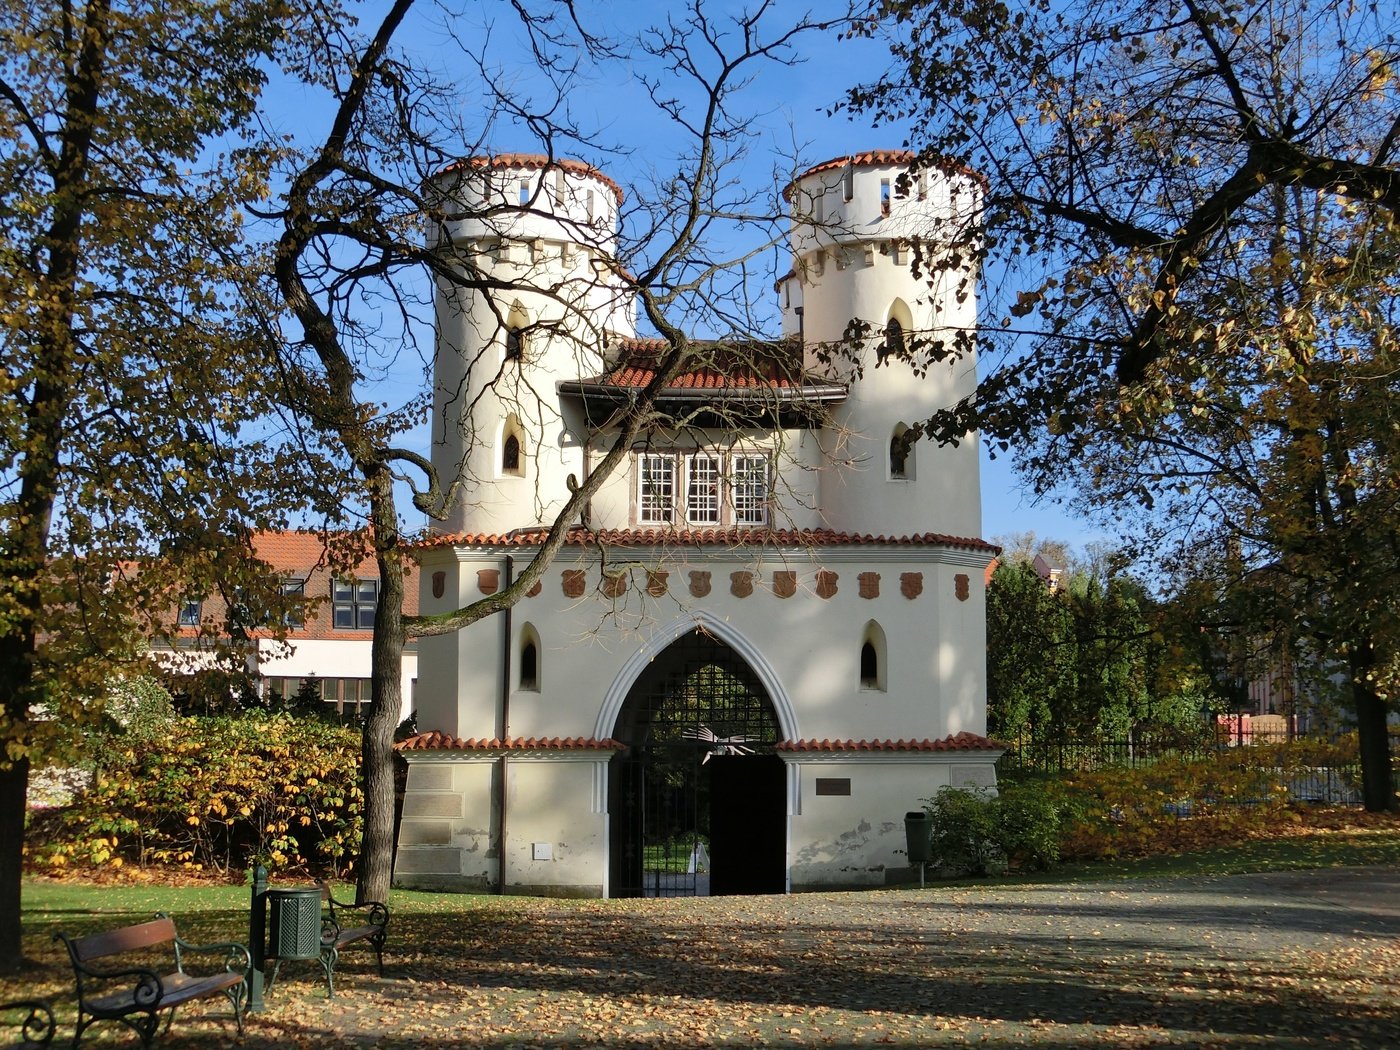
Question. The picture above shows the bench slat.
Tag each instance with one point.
(129, 938)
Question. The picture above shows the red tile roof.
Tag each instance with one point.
(705, 538)
(633, 377)
(880, 158)
(435, 741)
(535, 162)
(957, 742)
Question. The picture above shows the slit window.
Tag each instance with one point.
(848, 182)
(524, 191)
(885, 197)
(515, 343)
(510, 455)
(894, 340)
(869, 666)
(529, 665)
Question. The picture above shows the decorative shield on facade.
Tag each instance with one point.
(488, 581)
(960, 586)
(614, 584)
(439, 584)
(656, 582)
(539, 586)
(911, 584)
(573, 583)
(784, 583)
(826, 583)
(699, 583)
(741, 584)
(869, 584)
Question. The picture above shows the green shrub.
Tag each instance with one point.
(1028, 825)
(215, 794)
(964, 836)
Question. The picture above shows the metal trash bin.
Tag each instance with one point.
(295, 920)
(918, 835)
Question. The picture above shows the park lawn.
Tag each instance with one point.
(436, 940)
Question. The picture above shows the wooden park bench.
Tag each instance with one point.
(337, 933)
(135, 994)
(35, 1020)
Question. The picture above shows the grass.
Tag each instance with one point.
(942, 968)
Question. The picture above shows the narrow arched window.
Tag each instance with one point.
(899, 456)
(515, 343)
(529, 665)
(869, 667)
(510, 455)
(894, 340)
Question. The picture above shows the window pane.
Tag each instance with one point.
(345, 616)
(189, 614)
(702, 489)
(750, 490)
(341, 590)
(656, 497)
(366, 617)
(368, 592)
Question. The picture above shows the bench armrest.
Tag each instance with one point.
(377, 911)
(38, 1027)
(238, 959)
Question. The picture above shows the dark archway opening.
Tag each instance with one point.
(698, 801)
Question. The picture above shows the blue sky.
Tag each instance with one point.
(786, 116)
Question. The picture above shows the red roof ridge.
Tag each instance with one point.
(534, 161)
(438, 741)
(963, 741)
(731, 537)
(879, 158)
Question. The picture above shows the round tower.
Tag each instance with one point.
(537, 237)
(858, 223)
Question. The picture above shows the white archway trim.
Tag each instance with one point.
(663, 637)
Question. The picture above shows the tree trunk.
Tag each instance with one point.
(14, 792)
(1372, 730)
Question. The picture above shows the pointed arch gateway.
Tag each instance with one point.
(698, 800)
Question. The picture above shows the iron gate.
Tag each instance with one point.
(699, 701)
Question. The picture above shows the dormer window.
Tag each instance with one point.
(717, 489)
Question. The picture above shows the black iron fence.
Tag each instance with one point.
(1321, 769)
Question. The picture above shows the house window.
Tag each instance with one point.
(353, 603)
(510, 455)
(515, 343)
(294, 613)
(656, 489)
(524, 191)
(702, 489)
(530, 665)
(848, 182)
(189, 613)
(885, 197)
(719, 490)
(750, 489)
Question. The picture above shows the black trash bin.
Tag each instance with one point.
(918, 835)
(295, 921)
